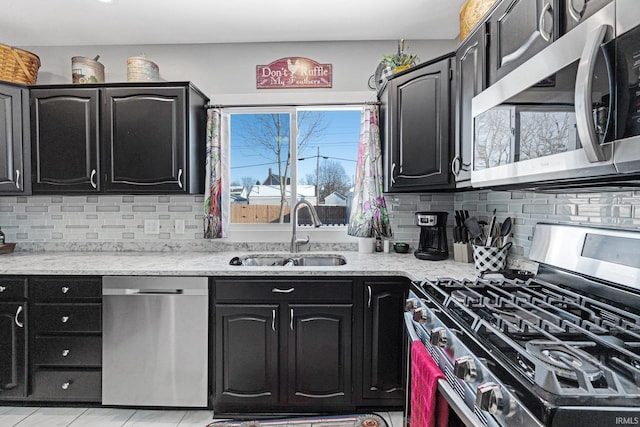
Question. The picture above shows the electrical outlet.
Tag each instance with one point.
(179, 226)
(151, 226)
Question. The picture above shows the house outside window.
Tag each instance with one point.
(279, 156)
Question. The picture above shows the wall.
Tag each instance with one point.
(618, 209)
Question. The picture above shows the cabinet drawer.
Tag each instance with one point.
(68, 351)
(13, 288)
(67, 317)
(45, 288)
(79, 386)
(284, 290)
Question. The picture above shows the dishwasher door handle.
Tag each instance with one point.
(149, 292)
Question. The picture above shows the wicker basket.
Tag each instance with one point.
(472, 11)
(17, 65)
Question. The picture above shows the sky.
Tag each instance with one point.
(339, 143)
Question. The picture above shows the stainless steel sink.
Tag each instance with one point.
(307, 260)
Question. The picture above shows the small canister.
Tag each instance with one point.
(140, 69)
(86, 70)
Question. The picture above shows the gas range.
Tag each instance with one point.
(562, 349)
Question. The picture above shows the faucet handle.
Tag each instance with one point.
(304, 241)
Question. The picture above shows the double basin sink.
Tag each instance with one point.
(297, 259)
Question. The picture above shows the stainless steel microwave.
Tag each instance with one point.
(571, 113)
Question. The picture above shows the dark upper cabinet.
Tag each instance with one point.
(416, 128)
(126, 138)
(576, 11)
(383, 373)
(470, 80)
(65, 155)
(14, 140)
(518, 30)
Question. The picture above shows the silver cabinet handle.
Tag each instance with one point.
(393, 170)
(282, 291)
(93, 178)
(65, 319)
(584, 116)
(573, 12)
(65, 385)
(65, 289)
(18, 323)
(546, 36)
(291, 320)
(273, 320)
(369, 300)
(3, 288)
(65, 352)
(456, 161)
(18, 179)
(180, 177)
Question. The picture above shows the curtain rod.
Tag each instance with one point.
(327, 104)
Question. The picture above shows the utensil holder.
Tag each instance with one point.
(462, 252)
(490, 258)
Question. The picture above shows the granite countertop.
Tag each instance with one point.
(217, 264)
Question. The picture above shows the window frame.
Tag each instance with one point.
(282, 232)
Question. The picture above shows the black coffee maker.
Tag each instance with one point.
(433, 236)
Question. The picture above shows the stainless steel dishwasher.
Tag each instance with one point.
(155, 335)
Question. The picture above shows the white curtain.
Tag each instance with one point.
(369, 216)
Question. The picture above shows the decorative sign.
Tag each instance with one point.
(293, 72)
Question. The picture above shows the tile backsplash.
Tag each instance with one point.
(108, 222)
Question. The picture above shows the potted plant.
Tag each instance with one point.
(400, 61)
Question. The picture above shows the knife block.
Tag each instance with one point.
(462, 252)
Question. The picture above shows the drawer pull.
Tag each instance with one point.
(65, 352)
(65, 289)
(66, 385)
(64, 319)
(3, 288)
(282, 291)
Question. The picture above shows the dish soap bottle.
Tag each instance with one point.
(1, 237)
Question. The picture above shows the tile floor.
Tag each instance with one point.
(11, 416)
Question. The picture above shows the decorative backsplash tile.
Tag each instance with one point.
(117, 222)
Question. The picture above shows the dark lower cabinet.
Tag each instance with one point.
(383, 356)
(65, 338)
(13, 338)
(319, 355)
(283, 346)
(247, 356)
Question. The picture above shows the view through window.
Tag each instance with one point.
(281, 156)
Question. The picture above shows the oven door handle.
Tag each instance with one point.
(455, 401)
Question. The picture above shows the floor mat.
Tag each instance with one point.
(355, 420)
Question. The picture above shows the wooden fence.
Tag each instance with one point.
(261, 214)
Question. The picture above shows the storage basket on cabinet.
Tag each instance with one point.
(18, 65)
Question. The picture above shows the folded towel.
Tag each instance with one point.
(428, 407)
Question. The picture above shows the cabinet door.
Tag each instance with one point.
(383, 373)
(64, 143)
(145, 139)
(419, 130)
(12, 350)
(246, 357)
(519, 30)
(12, 153)
(470, 75)
(319, 355)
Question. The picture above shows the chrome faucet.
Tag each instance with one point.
(295, 242)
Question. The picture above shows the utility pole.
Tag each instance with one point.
(318, 178)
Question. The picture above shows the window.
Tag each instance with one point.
(280, 156)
